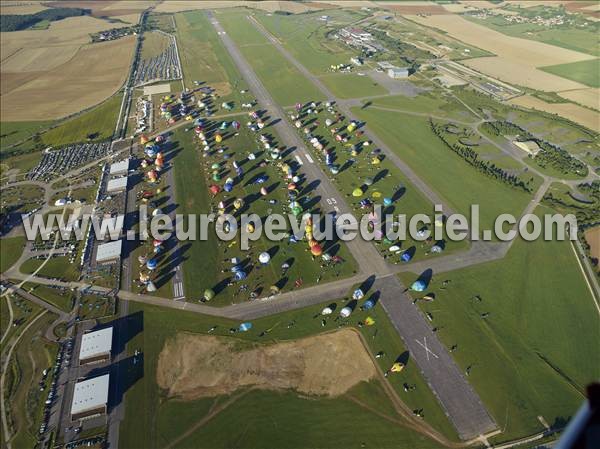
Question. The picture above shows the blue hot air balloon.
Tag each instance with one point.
(151, 264)
(369, 304)
(240, 275)
(418, 286)
(245, 327)
(405, 257)
(387, 201)
(228, 187)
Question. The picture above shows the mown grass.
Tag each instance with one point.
(454, 180)
(13, 132)
(291, 420)
(535, 351)
(10, 251)
(63, 299)
(285, 83)
(94, 125)
(351, 85)
(56, 267)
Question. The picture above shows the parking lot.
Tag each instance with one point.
(165, 66)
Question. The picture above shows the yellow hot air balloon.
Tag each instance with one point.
(369, 321)
(375, 161)
(397, 367)
(218, 138)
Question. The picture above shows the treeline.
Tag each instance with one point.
(549, 155)
(486, 167)
(16, 22)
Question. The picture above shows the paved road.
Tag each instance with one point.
(459, 400)
(455, 394)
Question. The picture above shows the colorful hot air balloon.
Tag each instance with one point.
(264, 258)
(208, 294)
(316, 250)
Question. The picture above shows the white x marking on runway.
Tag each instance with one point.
(427, 350)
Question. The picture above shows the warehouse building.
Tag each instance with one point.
(96, 346)
(398, 72)
(109, 252)
(117, 185)
(90, 398)
(119, 168)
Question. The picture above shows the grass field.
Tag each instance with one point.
(13, 132)
(204, 58)
(56, 267)
(154, 44)
(61, 298)
(305, 36)
(23, 312)
(454, 180)
(94, 125)
(290, 420)
(350, 85)
(434, 102)
(10, 251)
(204, 259)
(285, 83)
(584, 72)
(536, 350)
(25, 400)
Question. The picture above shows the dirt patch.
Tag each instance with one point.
(193, 366)
(592, 236)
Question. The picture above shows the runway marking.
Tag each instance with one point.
(299, 160)
(427, 350)
(307, 156)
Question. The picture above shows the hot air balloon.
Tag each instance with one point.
(264, 258)
(263, 191)
(327, 311)
(214, 189)
(345, 312)
(150, 287)
(208, 294)
(316, 250)
(245, 327)
(406, 256)
(368, 305)
(387, 201)
(397, 367)
(143, 139)
(240, 275)
(238, 203)
(358, 294)
(228, 187)
(218, 138)
(357, 192)
(144, 277)
(418, 286)
(151, 264)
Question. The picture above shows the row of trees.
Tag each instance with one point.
(486, 167)
(550, 155)
(16, 22)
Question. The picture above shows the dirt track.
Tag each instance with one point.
(195, 366)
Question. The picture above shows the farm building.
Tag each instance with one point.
(109, 252)
(117, 185)
(96, 346)
(398, 72)
(119, 168)
(90, 398)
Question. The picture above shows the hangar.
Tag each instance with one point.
(96, 346)
(119, 168)
(90, 398)
(117, 185)
(109, 252)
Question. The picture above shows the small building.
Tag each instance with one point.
(385, 65)
(96, 346)
(109, 252)
(398, 72)
(356, 61)
(117, 185)
(119, 168)
(90, 398)
(529, 146)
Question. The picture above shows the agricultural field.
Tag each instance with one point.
(287, 85)
(584, 72)
(454, 180)
(497, 315)
(180, 417)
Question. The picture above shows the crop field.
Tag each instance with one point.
(453, 179)
(91, 76)
(287, 85)
(566, 36)
(517, 59)
(584, 72)
(203, 261)
(267, 415)
(498, 316)
(350, 85)
(587, 97)
(306, 37)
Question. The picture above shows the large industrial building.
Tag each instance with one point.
(117, 185)
(109, 252)
(90, 398)
(96, 346)
(119, 168)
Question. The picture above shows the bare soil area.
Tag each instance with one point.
(193, 366)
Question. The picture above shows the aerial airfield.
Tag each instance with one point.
(219, 117)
